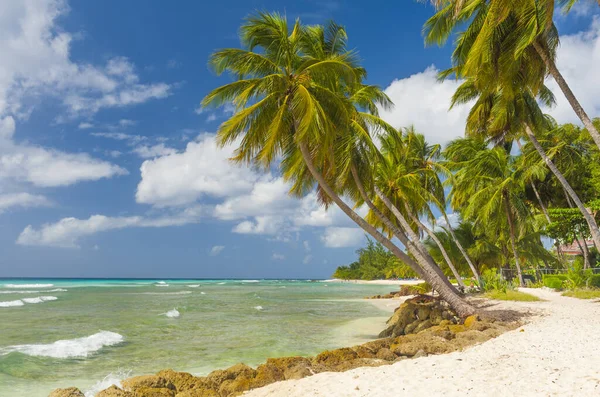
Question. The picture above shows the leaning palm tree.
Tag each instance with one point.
(490, 191)
(510, 34)
(514, 111)
(293, 105)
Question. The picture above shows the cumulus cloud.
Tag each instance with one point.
(421, 100)
(338, 237)
(216, 250)
(67, 232)
(277, 257)
(23, 200)
(202, 169)
(577, 59)
(147, 152)
(37, 61)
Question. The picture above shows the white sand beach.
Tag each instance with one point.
(375, 282)
(557, 353)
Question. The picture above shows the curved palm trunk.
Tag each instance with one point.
(513, 242)
(565, 184)
(414, 241)
(549, 62)
(437, 241)
(539, 199)
(423, 258)
(584, 252)
(454, 300)
(461, 248)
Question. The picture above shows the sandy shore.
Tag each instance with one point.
(375, 282)
(556, 353)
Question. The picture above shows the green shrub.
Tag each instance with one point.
(594, 281)
(492, 281)
(554, 280)
(511, 295)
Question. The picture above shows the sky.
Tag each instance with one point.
(109, 167)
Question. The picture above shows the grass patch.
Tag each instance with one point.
(583, 293)
(511, 295)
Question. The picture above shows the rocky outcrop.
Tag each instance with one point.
(418, 314)
(405, 290)
(69, 392)
(419, 327)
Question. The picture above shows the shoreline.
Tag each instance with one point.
(277, 372)
(374, 282)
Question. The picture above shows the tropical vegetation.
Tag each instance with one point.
(517, 178)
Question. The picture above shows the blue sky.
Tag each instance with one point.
(109, 168)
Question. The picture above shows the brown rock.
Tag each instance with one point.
(114, 391)
(199, 393)
(149, 381)
(69, 392)
(334, 359)
(182, 380)
(386, 354)
(292, 367)
(422, 326)
(469, 321)
(363, 351)
(154, 392)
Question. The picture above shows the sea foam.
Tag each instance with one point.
(114, 378)
(12, 303)
(172, 313)
(39, 299)
(28, 285)
(259, 308)
(68, 348)
(33, 292)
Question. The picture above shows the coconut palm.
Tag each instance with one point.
(490, 191)
(501, 111)
(510, 35)
(293, 105)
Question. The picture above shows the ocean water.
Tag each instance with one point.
(92, 333)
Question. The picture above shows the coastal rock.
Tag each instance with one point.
(147, 381)
(469, 321)
(364, 352)
(182, 380)
(290, 367)
(386, 354)
(154, 392)
(68, 392)
(422, 326)
(233, 380)
(199, 393)
(114, 391)
(333, 360)
(409, 345)
(417, 314)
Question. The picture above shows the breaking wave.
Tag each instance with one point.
(68, 348)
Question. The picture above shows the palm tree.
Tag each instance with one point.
(501, 111)
(295, 105)
(490, 190)
(510, 34)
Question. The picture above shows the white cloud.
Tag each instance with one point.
(147, 152)
(216, 250)
(306, 245)
(578, 58)
(211, 117)
(85, 126)
(307, 259)
(23, 200)
(338, 237)
(421, 100)
(277, 257)
(199, 110)
(202, 169)
(36, 61)
(67, 232)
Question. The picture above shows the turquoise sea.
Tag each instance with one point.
(91, 333)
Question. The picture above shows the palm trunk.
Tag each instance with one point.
(551, 66)
(583, 252)
(462, 250)
(539, 199)
(565, 184)
(586, 254)
(437, 241)
(422, 257)
(512, 241)
(454, 300)
(415, 246)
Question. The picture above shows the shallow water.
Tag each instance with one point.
(99, 331)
